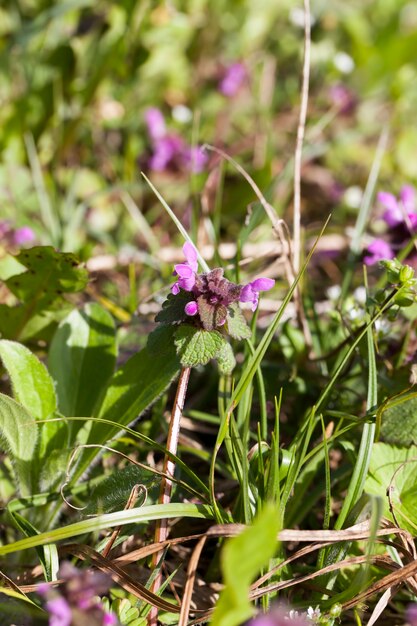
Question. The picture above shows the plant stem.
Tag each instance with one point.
(161, 530)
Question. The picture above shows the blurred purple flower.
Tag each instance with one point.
(377, 251)
(233, 78)
(59, 610)
(77, 597)
(212, 293)
(396, 209)
(23, 235)
(155, 123)
(411, 615)
(342, 98)
(169, 150)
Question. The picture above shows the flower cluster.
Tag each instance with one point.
(169, 150)
(77, 598)
(211, 293)
(400, 215)
(15, 236)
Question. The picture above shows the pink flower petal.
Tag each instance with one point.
(184, 270)
(262, 284)
(190, 254)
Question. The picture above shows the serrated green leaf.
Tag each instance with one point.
(399, 421)
(18, 437)
(226, 359)
(81, 359)
(236, 325)
(196, 346)
(393, 476)
(173, 308)
(242, 558)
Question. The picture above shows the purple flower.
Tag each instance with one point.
(195, 159)
(250, 292)
(212, 294)
(396, 209)
(169, 150)
(23, 235)
(377, 251)
(232, 80)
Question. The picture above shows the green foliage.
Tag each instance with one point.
(46, 275)
(82, 358)
(18, 438)
(236, 323)
(172, 310)
(133, 388)
(196, 346)
(393, 477)
(242, 558)
(32, 385)
(399, 420)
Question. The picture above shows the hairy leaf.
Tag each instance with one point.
(196, 346)
(18, 437)
(399, 420)
(237, 326)
(225, 358)
(173, 308)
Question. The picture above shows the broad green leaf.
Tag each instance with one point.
(32, 386)
(393, 477)
(236, 323)
(82, 357)
(196, 346)
(18, 438)
(132, 389)
(161, 340)
(226, 358)
(399, 420)
(34, 389)
(242, 558)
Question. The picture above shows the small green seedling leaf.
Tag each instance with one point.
(237, 326)
(242, 559)
(18, 437)
(196, 346)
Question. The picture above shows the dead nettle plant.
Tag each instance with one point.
(198, 316)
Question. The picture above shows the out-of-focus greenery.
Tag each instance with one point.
(76, 77)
